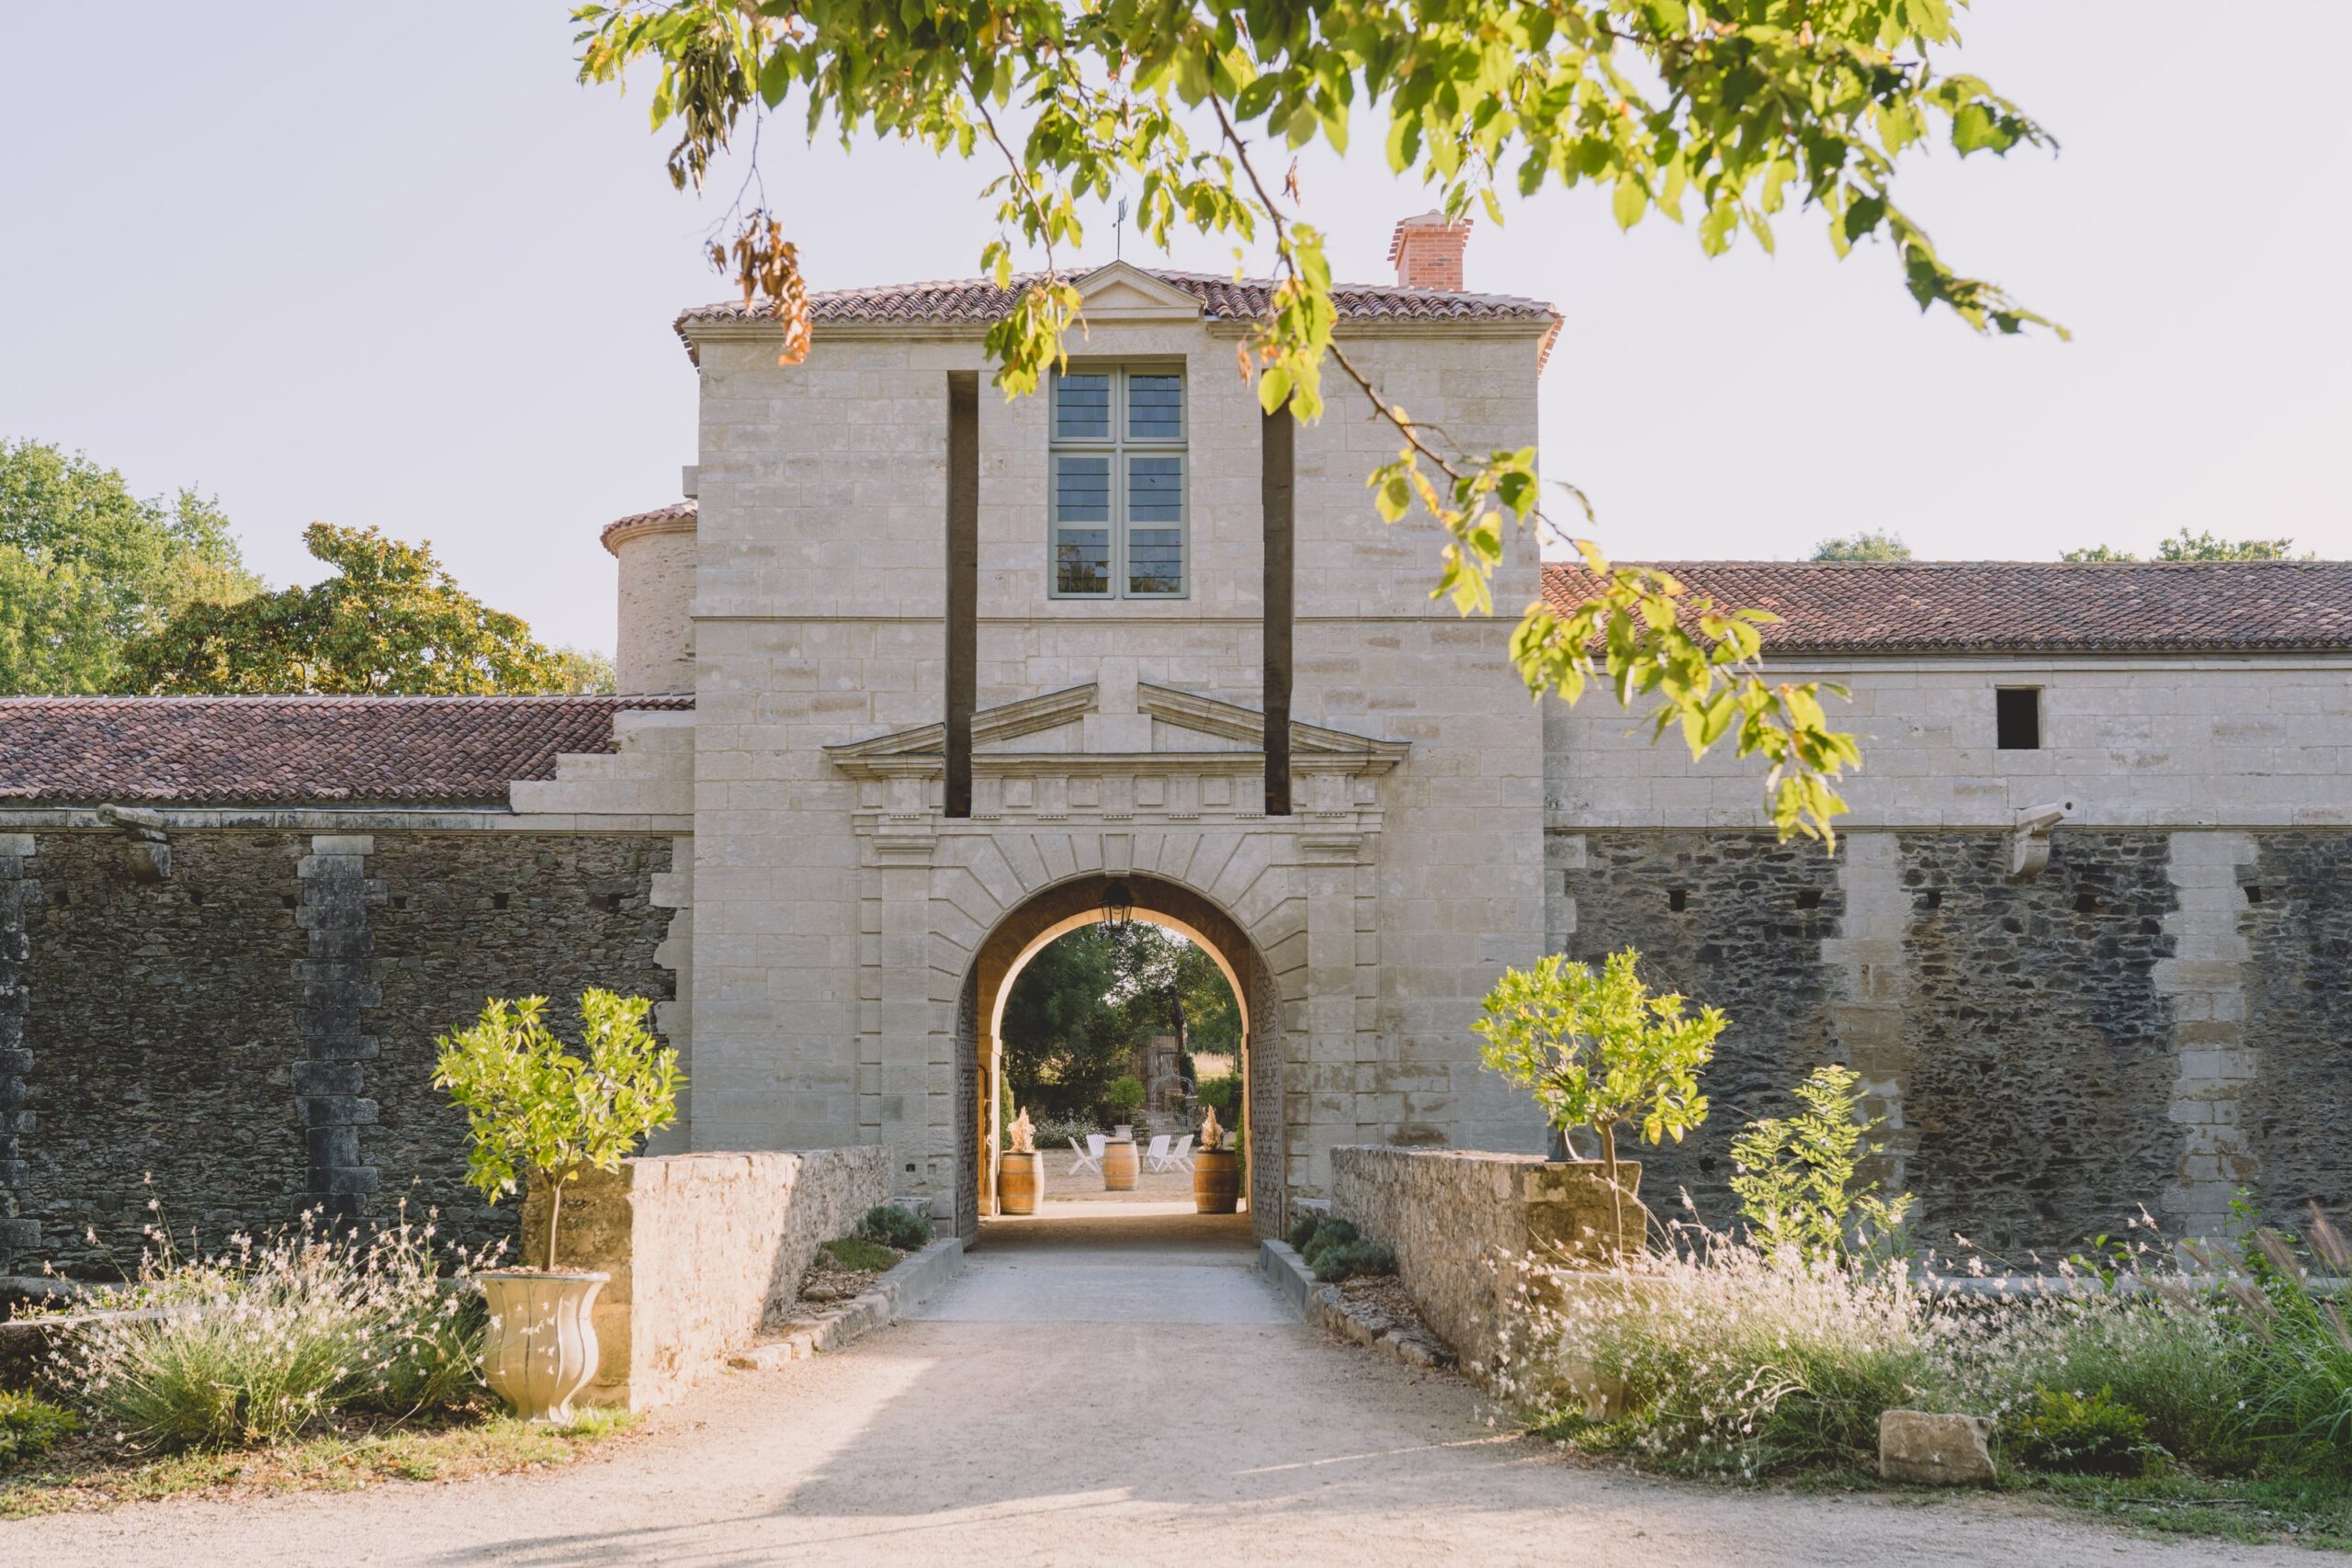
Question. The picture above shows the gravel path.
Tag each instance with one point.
(1099, 1388)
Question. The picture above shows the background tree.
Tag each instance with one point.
(391, 620)
(1863, 546)
(584, 670)
(1730, 109)
(85, 566)
(1080, 1009)
(2197, 547)
(1063, 1039)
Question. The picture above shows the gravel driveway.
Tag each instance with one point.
(1096, 1389)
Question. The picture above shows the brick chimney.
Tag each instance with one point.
(1428, 251)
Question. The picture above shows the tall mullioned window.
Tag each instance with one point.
(1117, 505)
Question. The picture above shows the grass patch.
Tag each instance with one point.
(94, 1473)
(856, 1252)
(2314, 1513)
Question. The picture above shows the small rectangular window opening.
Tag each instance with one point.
(2017, 718)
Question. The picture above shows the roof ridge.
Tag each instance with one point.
(1944, 564)
(351, 699)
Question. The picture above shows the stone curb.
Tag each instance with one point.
(1280, 1262)
(912, 1281)
(1327, 1307)
(1331, 1310)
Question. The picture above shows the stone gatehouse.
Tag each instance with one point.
(936, 676)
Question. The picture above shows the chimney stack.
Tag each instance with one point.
(1428, 251)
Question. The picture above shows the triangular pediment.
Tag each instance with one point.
(1246, 726)
(1314, 748)
(1006, 721)
(1124, 292)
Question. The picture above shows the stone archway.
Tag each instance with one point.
(1025, 930)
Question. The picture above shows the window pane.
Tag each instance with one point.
(1082, 561)
(1155, 560)
(1155, 489)
(1081, 407)
(1081, 488)
(1155, 406)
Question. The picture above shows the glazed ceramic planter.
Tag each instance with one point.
(540, 1348)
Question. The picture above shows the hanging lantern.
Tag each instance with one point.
(1118, 905)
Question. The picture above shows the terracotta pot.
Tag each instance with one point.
(1216, 1181)
(540, 1348)
(1120, 1166)
(1016, 1183)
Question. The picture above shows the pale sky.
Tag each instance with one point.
(394, 267)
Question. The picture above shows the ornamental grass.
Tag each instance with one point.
(272, 1336)
(1715, 1356)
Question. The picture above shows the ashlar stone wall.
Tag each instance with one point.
(822, 979)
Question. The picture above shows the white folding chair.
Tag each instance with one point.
(1089, 1158)
(1156, 1156)
(1180, 1156)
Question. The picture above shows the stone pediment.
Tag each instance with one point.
(922, 751)
(1120, 292)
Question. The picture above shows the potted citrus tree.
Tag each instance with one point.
(541, 1114)
(1598, 1050)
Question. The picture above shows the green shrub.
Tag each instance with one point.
(1796, 1175)
(1302, 1230)
(1329, 1234)
(1055, 1134)
(856, 1252)
(258, 1343)
(893, 1227)
(1223, 1091)
(1124, 1095)
(2073, 1434)
(30, 1427)
(2169, 1354)
(1345, 1261)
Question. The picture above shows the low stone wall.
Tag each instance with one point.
(1457, 1219)
(705, 1251)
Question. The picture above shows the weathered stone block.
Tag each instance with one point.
(1934, 1449)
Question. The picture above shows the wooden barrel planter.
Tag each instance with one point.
(1120, 1166)
(1216, 1181)
(1017, 1183)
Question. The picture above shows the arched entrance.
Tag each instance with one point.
(1025, 930)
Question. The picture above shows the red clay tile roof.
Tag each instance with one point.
(676, 512)
(293, 750)
(1221, 297)
(2022, 606)
(977, 300)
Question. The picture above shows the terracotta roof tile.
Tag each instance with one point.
(2022, 606)
(293, 750)
(676, 512)
(975, 300)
